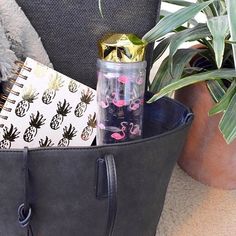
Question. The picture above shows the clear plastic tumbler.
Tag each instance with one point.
(120, 90)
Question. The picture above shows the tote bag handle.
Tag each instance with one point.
(106, 188)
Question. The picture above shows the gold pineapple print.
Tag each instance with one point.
(40, 70)
(28, 97)
(46, 143)
(88, 130)
(9, 136)
(73, 86)
(62, 110)
(54, 85)
(36, 121)
(68, 135)
(86, 98)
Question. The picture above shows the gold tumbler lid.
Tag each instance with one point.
(122, 48)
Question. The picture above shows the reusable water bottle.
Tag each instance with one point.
(120, 88)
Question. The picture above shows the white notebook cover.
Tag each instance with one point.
(50, 110)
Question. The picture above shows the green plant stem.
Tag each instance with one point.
(100, 8)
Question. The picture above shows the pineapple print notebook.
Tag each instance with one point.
(46, 108)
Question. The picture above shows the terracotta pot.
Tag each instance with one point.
(206, 156)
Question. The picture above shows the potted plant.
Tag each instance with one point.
(210, 152)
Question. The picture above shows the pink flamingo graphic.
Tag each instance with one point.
(121, 135)
(123, 79)
(118, 103)
(135, 130)
(106, 103)
(109, 128)
(139, 80)
(134, 105)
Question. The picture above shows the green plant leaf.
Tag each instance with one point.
(224, 102)
(180, 28)
(163, 76)
(209, 75)
(230, 42)
(161, 48)
(193, 22)
(192, 34)
(216, 88)
(228, 56)
(179, 2)
(189, 70)
(182, 58)
(210, 59)
(174, 20)
(165, 13)
(228, 122)
(221, 7)
(219, 28)
(210, 10)
(231, 6)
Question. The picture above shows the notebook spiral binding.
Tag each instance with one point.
(8, 89)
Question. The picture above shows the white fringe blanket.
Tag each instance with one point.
(18, 39)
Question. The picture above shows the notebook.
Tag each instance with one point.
(45, 108)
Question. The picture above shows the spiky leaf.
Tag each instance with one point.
(163, 75)
(179, 2)
(224, 102)
(192, 34)
(161, 48)
(210, 10)
(174, 20)
(228, 122)
(217, 89)
(219, 28)
(209, 75)
(231, 6)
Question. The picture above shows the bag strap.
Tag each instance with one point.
(112, 193)
(107, 188)
(24, 210)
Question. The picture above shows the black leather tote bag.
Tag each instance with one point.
(94, 191)
(107, 190)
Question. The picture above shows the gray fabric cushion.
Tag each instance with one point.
(70, 29)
